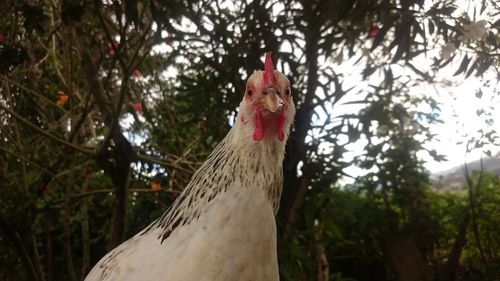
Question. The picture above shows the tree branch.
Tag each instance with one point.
(48, 135)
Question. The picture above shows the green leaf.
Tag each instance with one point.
(484, 67)
(496, 24)
(380, 36)
(446, 10)
(463, 65)
(368, 71)
(389, 78)
(472, 68)
(431, 27)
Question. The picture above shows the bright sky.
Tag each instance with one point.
(458, 111)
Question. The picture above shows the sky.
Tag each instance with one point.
(459, 105)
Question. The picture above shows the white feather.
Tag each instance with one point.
(234, 239)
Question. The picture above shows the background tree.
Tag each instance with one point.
(108, 107)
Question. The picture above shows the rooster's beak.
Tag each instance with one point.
(271, 100)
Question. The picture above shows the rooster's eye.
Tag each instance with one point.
(249, 92)
(287, 92)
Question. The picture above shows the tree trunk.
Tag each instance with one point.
(298, 198)
(48, 247)
(402, 254)
(294, 192)
(322, 266)
(449, 271)
(114, 160)
(66, 220)
(85, 232)
(119, 221)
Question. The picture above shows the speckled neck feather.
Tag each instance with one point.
(233, 164)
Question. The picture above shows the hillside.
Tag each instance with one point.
(454, 179)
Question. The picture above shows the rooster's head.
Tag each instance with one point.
(267, 109)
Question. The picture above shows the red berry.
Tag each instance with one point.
(374, 29)
(137, 106)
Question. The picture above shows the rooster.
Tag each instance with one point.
(222, 226)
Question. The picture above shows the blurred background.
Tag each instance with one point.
(107, 107)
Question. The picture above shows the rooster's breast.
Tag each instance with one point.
(233, 239)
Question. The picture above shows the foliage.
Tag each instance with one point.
(108, 107)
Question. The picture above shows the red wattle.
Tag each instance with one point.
(281, 125)
(258, 134)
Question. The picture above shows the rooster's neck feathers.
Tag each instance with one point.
(234, 163)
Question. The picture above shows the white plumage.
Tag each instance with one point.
(222, 226)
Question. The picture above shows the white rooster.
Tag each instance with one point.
(222, 227)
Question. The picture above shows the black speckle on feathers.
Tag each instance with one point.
(214, 177)
(211, 197)
(208, 181)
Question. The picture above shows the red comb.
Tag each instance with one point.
(269, 77)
